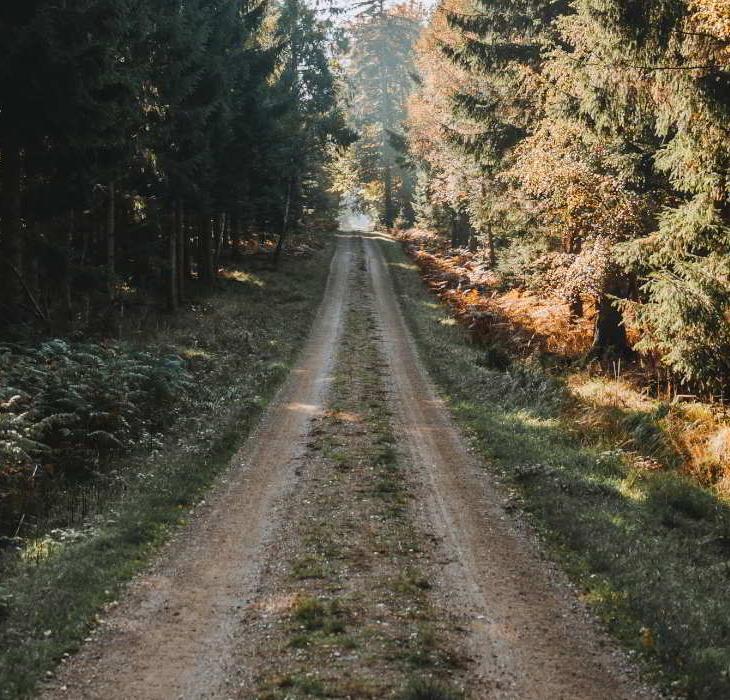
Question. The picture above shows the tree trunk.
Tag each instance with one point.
(172, 288)
(285, 220)
(609, 339)
(187, 247)
(84, 246)
(575, 306)
(235, 235)
(473, 241)
(220, 238)
(491, 255)
(111, 244)
(65, 269)
(205, 241)
(182, 257)
(31, 263)
(12, 222)
(388, 209)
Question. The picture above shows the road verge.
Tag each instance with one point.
(647, 555)
(247, 335)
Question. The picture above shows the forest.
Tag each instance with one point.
(142, 144)
(148, 139)
(583, 147)
(174, 178)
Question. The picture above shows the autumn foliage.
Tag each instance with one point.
(581, 151)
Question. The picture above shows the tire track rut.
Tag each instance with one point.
(530, 635)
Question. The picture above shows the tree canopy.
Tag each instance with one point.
(590, 141)
(141, 140)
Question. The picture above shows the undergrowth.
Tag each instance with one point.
(637, 404)
(215, 367)
(66, 407)
(649, 547)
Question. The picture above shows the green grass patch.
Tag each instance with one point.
(411, 581)
(649, 549)
(316, 615)
(310, 567)
(241, 340)
(312, 687)
(428, 690)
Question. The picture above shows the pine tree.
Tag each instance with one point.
(139, 139)
(381, 64)
(83, 59)
(311, 116)
(509, 116)
(599, 127)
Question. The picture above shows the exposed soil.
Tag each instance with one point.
(346, 607)
(356, 549)
(530, 635)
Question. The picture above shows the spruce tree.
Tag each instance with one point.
(83, 65)
(310, 118)
(381, 65)
(648, 82)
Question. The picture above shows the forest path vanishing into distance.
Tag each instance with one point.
(229, 609)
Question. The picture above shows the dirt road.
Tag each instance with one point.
(530, 636)
(355, 546)
(172, 636)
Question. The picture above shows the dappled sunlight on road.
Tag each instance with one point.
(308, 408)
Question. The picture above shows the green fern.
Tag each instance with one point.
(71, 404)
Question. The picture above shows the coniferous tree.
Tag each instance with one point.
(311, 117)
(141, 140)
(659, 77)
(83, 61)
(529, 156)
(381, 65)
(600, 129)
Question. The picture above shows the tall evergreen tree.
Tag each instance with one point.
(140, 139)
(380, 68)
(311, 117)
(83, 63)
(600, 128)
(659, 77)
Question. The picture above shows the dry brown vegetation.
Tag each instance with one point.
(601, 468)
(622, 405)
(518, 318)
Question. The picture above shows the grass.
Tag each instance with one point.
(649, 547)
(363, 623)
(688, 436)
(510, 318)
(428, 690)
(315, 615)
(309, 567)
(240, 341)
(307, 686)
